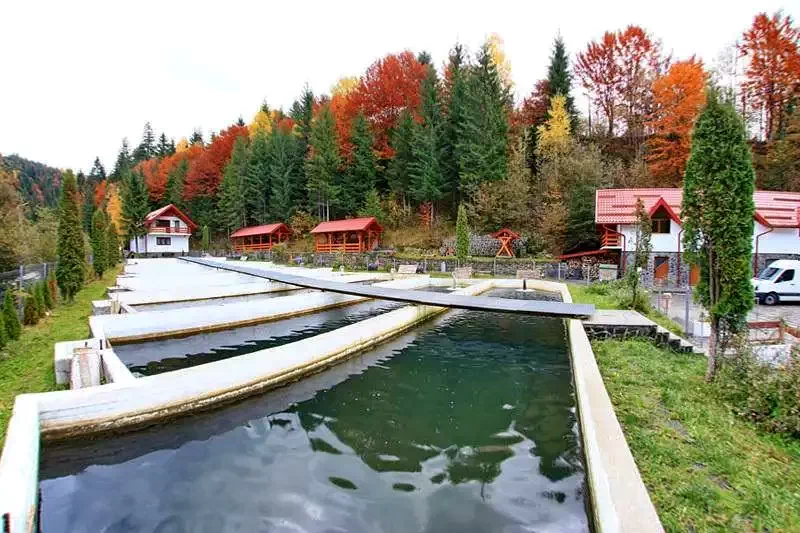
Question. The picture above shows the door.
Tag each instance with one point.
(694, 275)
(661, 269)
(786, 285)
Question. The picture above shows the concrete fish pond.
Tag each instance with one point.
(324, 410)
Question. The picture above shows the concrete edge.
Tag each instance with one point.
(19, 466)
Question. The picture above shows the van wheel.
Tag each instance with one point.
(771, 299)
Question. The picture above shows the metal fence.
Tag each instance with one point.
(23, 277)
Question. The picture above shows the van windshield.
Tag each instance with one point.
(768, 272)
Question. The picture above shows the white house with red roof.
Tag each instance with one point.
(776, 234)
(168, 231)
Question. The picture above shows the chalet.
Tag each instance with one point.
(353, 235)
(168, 231)
(260, 238)
(776, 234)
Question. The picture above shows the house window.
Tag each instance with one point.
(660, 225)
(163, 241)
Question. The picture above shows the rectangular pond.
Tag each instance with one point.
(465, 424)
(225, 300)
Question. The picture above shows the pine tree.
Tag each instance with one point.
(163, 147)
(559, 79)
(322, 166)
(718, 212)
(359, 178)
(147, 148)
(30, 314)
(425, 173)
(98, 172)
(454, 123)
(98, 240)
(483, 136)
(112, 244)
(10, 318)
(232, 190)
(173, 192)
(285, 173)
(71, 253)
(462, 234)
(196, 137)
(257, 181)
(399, 166)
(302, 113)
(87, 204)
(134, 207)
(123, 163)
(372, 206)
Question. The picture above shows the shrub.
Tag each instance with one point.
(10, 318)
(30, 314)
(52, 284)
(3, 332)
(47, 294)
(38, 292)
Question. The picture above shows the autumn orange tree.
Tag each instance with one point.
(599, 72)
(773, 73)
(678, 97)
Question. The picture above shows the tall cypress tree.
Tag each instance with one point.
(123, 163)
(718, 212)
(99, 244)
(285, 172)
(483, 138)
(232, 193)
(71, 253)
(359, 178)
(258, 184)
(559, 79)
(425, 173)
(455, 116)
(462, 233)
(322, 167)
(135, 204)
(112, 244)
(10, 317)
(399, 166)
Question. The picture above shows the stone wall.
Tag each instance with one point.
(766, 259)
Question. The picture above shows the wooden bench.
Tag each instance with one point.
(407, 269)
(463, 273)
(528, 274)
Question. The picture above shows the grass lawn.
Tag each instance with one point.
(706, 469)
(26, 364)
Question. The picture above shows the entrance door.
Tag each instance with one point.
(661, 268)
(694, 275)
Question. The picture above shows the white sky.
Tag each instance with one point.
(78, 76)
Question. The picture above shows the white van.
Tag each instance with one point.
(779, 282)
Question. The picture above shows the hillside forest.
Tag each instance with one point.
(413, 137)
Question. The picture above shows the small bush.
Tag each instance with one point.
(30, 314)
(47, 294)
(52, 285)
(10, 318)
(762, 393)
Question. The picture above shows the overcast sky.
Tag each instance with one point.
(78, 76)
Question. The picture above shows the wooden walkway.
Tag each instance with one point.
(474, 303)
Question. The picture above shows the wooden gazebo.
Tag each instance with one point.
(260, 238)
(506, 237)
(353, 235)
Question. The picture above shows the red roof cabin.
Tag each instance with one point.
(168, 231)
(353, 235)
(260, 238)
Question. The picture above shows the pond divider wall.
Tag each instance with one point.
(618, 498)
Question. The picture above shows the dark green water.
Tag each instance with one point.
(465, 425)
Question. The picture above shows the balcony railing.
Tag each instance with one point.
(256, 247)
(169, 229)
(611, 240)
(352, 247)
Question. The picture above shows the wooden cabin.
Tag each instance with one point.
(260, 238)
(168, 231)
(353, 235)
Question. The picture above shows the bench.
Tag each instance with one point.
(462, 273)
(528, 274)
(407, 269)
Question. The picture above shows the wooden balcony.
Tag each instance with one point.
(183, 230)
(350, 247)
(611, 239)
(255, 247)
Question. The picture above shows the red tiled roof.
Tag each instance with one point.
(168, 209)
(505, 231)
(264, 229)
(351, 224)
(618, 206)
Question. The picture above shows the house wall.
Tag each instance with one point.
(661, 242)
(179, 243)
(777, 241)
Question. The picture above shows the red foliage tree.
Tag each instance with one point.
(205, 170)
(599, 73)
(100, 193)
(771, 45)
(390, 85)
(534, 106)
(149, 169)
(678, 97)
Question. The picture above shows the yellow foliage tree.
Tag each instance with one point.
(554, 134)
(500, 60)
(344, 86)
(182, 145)
(114, 202)
(262, 122)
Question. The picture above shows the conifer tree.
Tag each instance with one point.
(399, 166)
(163, 147)
(147, 148)
(454, 123)
(554, 135)
(559, 79)
(483, 137)
(285, 173)
(10, 318)
(359, 178)
(71, 253)
(322, 166)
(258, 184)
(98, 172)
(718, 212)
(196, 137)
(462, 234)
(87, 204)
(372, 206)
(38, 292)
(641, 252)
(98, 239)
(123, 163)
(205, 240)
(302, 113)
(134, 207)
(173, 192)
(30, 313)
(3, 332)
(425, 174)
(232, 194)
(112, 244)
(47, 294)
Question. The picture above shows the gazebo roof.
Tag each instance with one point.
(505, 232)
(264, 229)
(350, 224)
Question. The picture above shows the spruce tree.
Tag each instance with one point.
(483, 138)
(258, 186)
(196, 137)
(399, 166)
(146, 148)
(173, 192)
(71, 253)
(454, 123)
(359, 178)
(38, 293)
(98, 240)
(372, 206)
(559, 79)
(98, 172)
(285, 173)
(322, 166)
(302, 113)
(162, 149)
(10, 318)
(47, 295)
(425, 174)
(112, 244)
(123, 163)
(30, 313)
(204, 239)
(232, 203)
(87, 206)
(135, 206)
(718, 212)
(462, 234)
